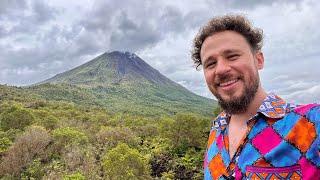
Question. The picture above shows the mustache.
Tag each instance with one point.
(226, 77)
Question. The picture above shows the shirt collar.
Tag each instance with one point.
(272, 107)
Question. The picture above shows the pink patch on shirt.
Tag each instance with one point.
(238, 175)
(302, 110)
(266, 140)
(205, 162)
(220, 141)
(309, 171)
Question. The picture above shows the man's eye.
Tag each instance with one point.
(210, 64)
(233, 57)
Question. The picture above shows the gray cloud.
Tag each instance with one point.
(133, 36)
(24, 16)
(133, 29)
(39, 39)
(251, 4)
(42, 12)
(11, 6)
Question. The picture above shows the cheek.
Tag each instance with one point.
(209, 77)
(251, 74)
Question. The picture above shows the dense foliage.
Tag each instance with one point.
(48, 139)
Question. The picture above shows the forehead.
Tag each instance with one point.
(222, 42)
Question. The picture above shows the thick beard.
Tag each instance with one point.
(240, 104)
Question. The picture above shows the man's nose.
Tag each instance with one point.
(222, 67)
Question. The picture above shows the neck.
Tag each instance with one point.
(253, 106)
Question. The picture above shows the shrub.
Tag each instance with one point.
(110, 136)
(5, 143)
(123, 162)
(15, 118)
(25, 148)
(34, 170)
(75, 176)
(69, 136)
(184, 131)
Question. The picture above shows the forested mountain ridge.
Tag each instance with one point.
(122, 82)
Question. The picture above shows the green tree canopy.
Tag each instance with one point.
(69, 136)
(184, 131)
(15, 118)
(111, 136)
(123, 162)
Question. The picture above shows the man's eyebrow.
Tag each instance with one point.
(210, 58)
(229, 51)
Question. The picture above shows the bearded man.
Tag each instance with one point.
(258, 135)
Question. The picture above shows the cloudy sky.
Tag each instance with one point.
(39, 39)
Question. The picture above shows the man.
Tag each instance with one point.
(258, 135)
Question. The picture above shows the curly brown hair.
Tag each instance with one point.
(237, 23)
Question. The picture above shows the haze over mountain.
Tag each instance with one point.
(122, 82)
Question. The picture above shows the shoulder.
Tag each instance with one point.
(302, 118)
(309, 111)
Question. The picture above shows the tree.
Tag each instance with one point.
(15, 118)
(111, 136)
(123, 162)
(45, 119)
(189, 166)
(69, 136)
(26, 147)
(184, 131)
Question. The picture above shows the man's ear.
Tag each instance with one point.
(259, 58)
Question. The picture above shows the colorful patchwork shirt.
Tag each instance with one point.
(282, 142)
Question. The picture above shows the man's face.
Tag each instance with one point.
(231, 70)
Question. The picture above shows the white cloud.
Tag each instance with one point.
(39, 39)
(308, 95)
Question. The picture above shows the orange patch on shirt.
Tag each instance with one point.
(216, 167)
(279, 110)
(272, 114)
(232, 166)
(226, 142)
(277, 103)
(212, 137)
(302, 134)
(262, 163)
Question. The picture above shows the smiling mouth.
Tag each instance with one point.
(228, 83)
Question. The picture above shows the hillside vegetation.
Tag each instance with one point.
(47, 139)
(114, 117)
